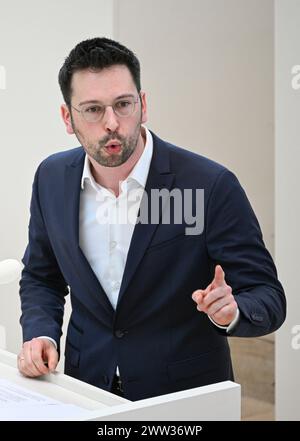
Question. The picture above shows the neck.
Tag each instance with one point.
(110, 177)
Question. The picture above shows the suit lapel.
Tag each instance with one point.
(159, 177)
(97, 300)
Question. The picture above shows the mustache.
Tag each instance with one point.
(108, 138)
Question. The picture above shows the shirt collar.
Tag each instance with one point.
(140, 171)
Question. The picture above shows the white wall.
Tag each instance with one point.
(287, 39)
(207, 66)
(35, 37)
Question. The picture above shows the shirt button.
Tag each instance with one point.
(113, 244)
(117, 285)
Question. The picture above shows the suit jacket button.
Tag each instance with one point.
(256, 317)
(119, 333)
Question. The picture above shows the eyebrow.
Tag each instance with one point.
(124, 95)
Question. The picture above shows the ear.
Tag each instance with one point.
(144, 107)
(66, 116)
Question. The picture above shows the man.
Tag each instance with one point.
(152, 301)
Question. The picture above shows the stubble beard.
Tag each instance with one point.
(97, 150)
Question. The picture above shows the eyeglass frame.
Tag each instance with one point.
(137, 99)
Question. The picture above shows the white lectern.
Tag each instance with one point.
(220, 401)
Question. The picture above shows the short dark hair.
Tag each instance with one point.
(97, 54)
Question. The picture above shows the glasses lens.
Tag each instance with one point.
(92, 113)
(124, 107)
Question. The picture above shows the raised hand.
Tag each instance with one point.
(216, 300)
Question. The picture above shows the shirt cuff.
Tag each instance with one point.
(49, 338)
(231, 325)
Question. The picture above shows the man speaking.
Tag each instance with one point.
(152, 300)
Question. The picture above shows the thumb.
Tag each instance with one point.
(52, 357)
(219, 279)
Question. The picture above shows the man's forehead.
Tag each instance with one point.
(105, 83)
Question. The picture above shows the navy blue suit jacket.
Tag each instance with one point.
(156, 336)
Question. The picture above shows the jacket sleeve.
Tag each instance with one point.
(234, 240)
(42, 285)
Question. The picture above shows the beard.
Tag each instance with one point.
(97, 149)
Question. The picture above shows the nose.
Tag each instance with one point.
(110, 119)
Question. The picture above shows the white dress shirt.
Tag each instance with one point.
(106, 222)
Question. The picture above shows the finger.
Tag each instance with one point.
(37, 346)
(25, 364)
(198, 295)
(219, 279)
(28, 365)
(219, 304)
(25, 371)
(216, 294)
(226, 314)
(52, 357)
(22, 366)
(20, 362)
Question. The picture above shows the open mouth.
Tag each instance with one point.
(113, 148)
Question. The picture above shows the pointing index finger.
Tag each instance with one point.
(219, 279)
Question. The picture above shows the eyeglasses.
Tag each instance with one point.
(94, 112)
